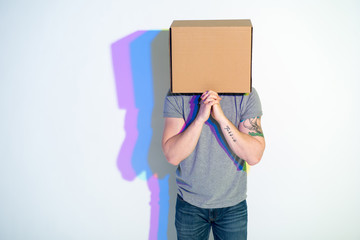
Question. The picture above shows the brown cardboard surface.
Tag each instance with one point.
(211, 55)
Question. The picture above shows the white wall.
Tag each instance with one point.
(61, 128)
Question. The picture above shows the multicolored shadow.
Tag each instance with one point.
(132, 65)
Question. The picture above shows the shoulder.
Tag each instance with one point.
(176, 104)
(253, 96)
(251, 105)
(180, 98)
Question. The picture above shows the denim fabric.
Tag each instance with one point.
(194, 223)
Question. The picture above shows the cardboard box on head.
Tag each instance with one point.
(211, 55)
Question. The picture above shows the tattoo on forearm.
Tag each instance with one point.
(227, 128)
(255, 129)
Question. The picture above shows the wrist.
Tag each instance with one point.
(223, 121)
(199, 121)
(217, 113)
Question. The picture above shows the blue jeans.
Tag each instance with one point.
(228, 223)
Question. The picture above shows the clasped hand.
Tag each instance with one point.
(210, 104)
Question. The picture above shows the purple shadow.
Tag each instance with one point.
(125, 94)
(153, 184)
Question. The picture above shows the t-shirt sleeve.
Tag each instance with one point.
(252, 107)
(172, 106)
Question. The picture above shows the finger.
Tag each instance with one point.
(215, 95)
(205, 95)
(209, 99)
(215, 102)
(212, 97)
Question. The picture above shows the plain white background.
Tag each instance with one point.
(61, 129)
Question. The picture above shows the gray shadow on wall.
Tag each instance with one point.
(157, 162)
(161, 82)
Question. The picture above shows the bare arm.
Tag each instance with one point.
(179, 145)
(246, 141)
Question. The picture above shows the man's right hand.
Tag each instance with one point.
(204, 111)
(208, 99)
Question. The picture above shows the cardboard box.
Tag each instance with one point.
(211, 55)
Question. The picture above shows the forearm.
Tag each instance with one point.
(180, 146)
(243, 145)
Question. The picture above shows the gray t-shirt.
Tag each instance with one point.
(212, 176)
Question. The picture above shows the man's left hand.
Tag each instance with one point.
(217, 112)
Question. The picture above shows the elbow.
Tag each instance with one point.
(253, 161)
(250, 159)
(255, 158)
(172, 161)
(169, 158)
(257, 154)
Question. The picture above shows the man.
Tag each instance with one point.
(209, 137)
